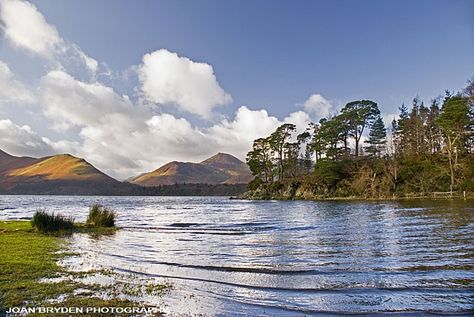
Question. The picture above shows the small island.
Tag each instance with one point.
(428, 152)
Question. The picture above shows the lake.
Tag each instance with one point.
(281, 258)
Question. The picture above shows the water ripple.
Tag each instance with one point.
(283, 258)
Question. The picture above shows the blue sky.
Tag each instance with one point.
(276, 53)
(270, 55)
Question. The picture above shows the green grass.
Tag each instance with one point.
(27, 256)
(45, 222)
(101, 221)
(92, 230)
(100, 216)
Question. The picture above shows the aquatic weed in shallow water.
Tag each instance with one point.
(101, 216)
(46, 223)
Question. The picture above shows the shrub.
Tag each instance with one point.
(45, 222)
(100, 216)
(255, 183)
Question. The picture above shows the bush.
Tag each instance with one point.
(255, 183)
(100, 216)
(45, 222)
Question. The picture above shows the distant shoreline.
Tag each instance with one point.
(245, 196)
(133, 190)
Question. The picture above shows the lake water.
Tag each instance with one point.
(282, 258)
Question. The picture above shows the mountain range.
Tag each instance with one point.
(67, 174)
(221, 168)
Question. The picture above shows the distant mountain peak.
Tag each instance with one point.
(5, 155)
(57, 174)
(8, 162)
(61, 166)
(222, 158)
(221, 168)
(68, 174)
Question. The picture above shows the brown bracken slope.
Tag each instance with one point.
(221, 168)
(58, 174)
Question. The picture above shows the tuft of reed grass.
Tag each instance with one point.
(100, 216)
(46, 223)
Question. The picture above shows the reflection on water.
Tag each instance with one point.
(282, 258)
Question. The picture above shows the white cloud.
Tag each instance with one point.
(236, 136)
(12, 90)
(21, 140)
(124, 139)
(169, 79)
(26, 28)
(318, 106)
(70, 102)
(118, 137)
(177, 131)
(299, 118)
(91, 64)
(64, 146)
(388, 118)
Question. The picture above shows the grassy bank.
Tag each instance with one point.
(28, 258)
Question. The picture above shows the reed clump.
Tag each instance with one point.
(100, 216)
(46, 223)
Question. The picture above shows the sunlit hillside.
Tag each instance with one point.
(219, 169)
(64, 167)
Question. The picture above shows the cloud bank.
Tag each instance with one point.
(12, 90)
(27, 29)
(123, 135)
(125, 139)
(21, 139)
(169, 79)
(318, 106)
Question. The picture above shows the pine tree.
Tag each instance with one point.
(469, 134)
(399, 131)
(377, 138)
(277, 141)
(359, 114)
(454, 121)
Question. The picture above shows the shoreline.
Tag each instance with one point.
(31, 276)
(469, 196)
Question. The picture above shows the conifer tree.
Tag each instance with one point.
(359, 114)
(453, 120)
(377, 138)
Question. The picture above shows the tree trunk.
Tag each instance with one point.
(357, 147)
(451, 168)
(280, 176)
(345, 145)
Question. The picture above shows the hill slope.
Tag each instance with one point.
(58, 174)
(9, 162)
(181, 173)
(239, 171)
(65, 174)
(219, 169)
(63, 167)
